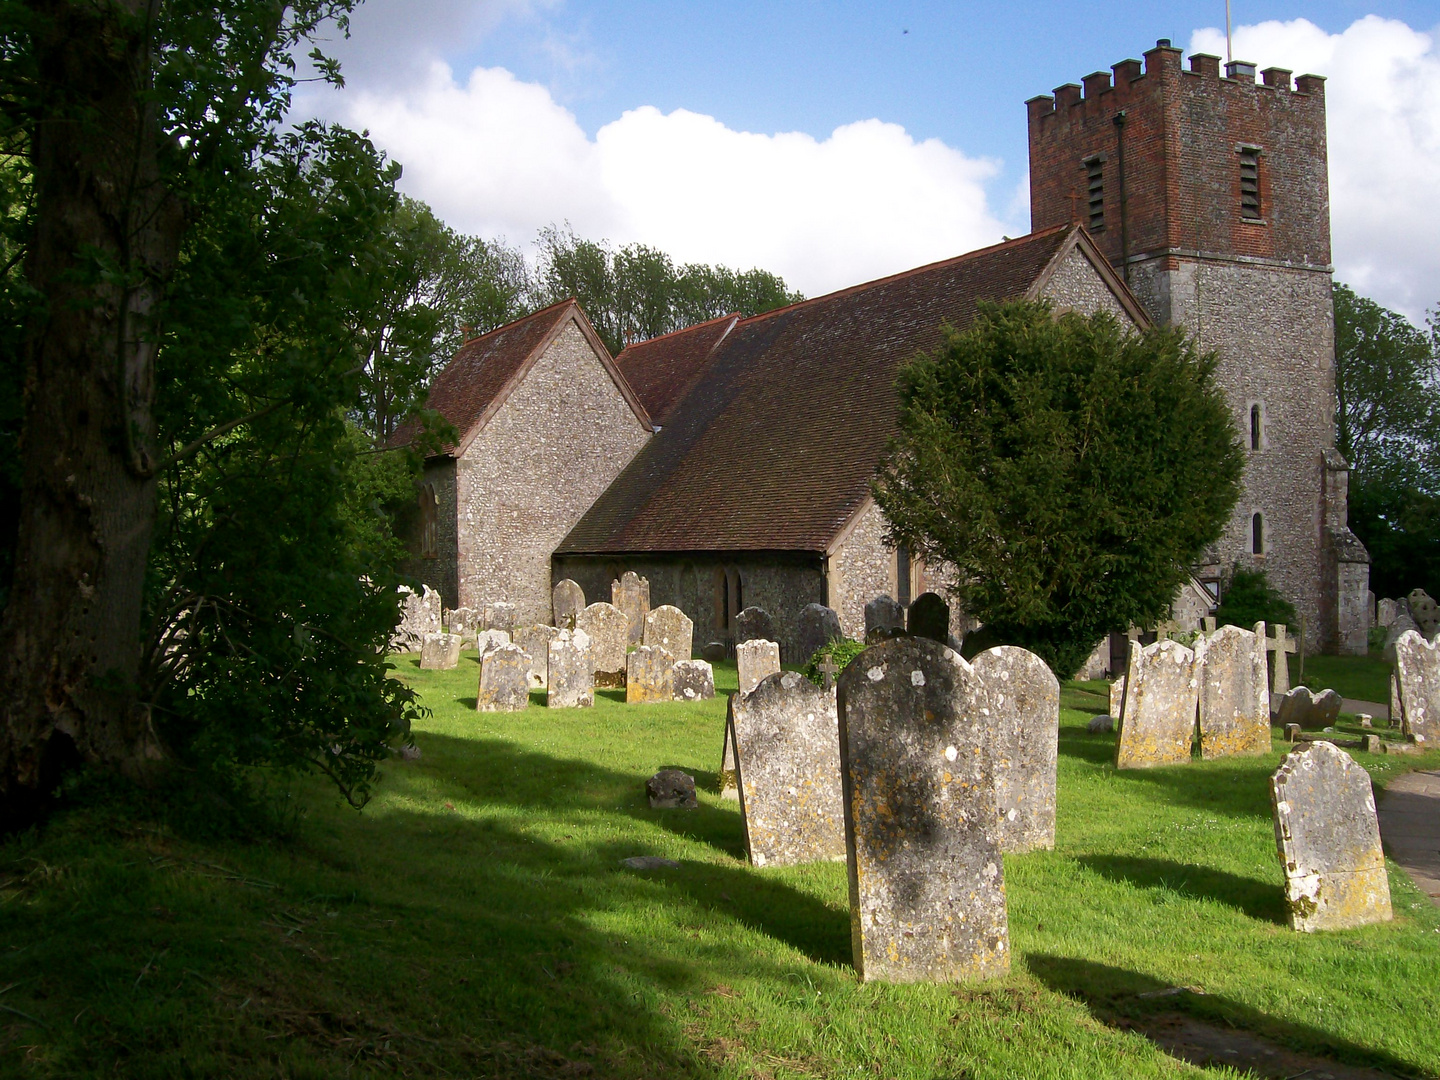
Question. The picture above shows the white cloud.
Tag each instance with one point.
(1383, 83)
(497, 156)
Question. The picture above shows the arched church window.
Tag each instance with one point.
(429, 522)
(902, 575)
(722, 600)
(1257, 425)
(1257, 534)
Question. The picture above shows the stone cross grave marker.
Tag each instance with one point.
(1329, 841)
(608, 630)
(694, 680)
(1417, 675)
(788, 752)
(1158, 722)
(500, 616)
(729, 778)
(672, 630)
(567, 600)
(571, 672)
(631, 594)
(649, 676)
(1234, 701)
(927, 885)
(504, 680)
(754, 660)
(1424, 611)
(883, 615)
(1281, 645)
(439, 652)
(535, 640)
(828, 671)
(1164, 631)
(930, 618)
(754, 624)
(818, 626)
(1022, 735)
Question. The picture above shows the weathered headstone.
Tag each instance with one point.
(1329, 841)
(649, 676)
(671, 789)
(817, 627)
(927, 885)
(485, 640)
(631, 594)
(608, 629)
(1309, 711)
(754, 660)
(1417, 675)
(504, 680)
(571, 672)
(672, 630)
(567, 600)
(1117, 695)
(439, 652)
(1424, 612)
(694, 681)
(500, 615)
(463, 621)
(1157, 721)
(420, 614)
(535, 640)
(1282, 645)
(1401, 625)
(1022, 736)
(729, 778)
(754, 624)
(713, 651)
(883, 615)
(788, 743)
(1385, 611)
(1234, 701)
(930, 617)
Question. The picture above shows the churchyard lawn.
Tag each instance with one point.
(475, 920)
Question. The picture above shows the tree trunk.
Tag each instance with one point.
(106, 243)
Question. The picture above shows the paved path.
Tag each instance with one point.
(1410, 827)
(1374, 708)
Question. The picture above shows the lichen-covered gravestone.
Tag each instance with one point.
(500, 616)
(608, 629)
(440, 652)
(485, 640)
(1385, 612)
(883, 616)
(930, 618)
(1329, 841)
(535, 640)
(694, 681)
(631, 594)
(463, 621)
(1311, 712)
(571, 674)
(754, 624)
(927, 887)
(1234, 700)
(567, 600)
(1157, 725)
(504, 680)
(420, 614)
(1417, 675)
(1022, 734)
(817, 627)
(649, 676)
(1401, 625)
(672, 630)
(1117, 696)
(729, 778)
(788, 750)
(754, 660)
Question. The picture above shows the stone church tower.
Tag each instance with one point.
(1210, 195)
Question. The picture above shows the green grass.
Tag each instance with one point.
(474, 921)
(1364, 677)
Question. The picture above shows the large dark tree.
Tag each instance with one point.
(1068, 470)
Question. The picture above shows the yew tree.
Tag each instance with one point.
(1070, 471)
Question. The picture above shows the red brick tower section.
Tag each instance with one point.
(1210, 194)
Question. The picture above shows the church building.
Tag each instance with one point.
(730, 463)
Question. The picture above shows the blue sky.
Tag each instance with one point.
(833, 142)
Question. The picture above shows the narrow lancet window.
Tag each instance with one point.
(1257, 535)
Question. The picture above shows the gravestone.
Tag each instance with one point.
(631, 594)
(1417, 675)
(420, 614)
(754, 624)
(1308, 711)
(570, 672)
(649, 676)
(713, 651)
(930, 617)
(1022, 735)
(485, 640)
(1234, 701)
(754, 660)
(535, 640)
(788, 747)
(671, 789)
(504, 680)
(463, 621)
(1401, 625)
(817, 627)
(1117, 695)
(500, 616)
(1102, 724)
(1157, 724)
(671, 629)
(1385, 612)
(1282, 645)
(694, 681)
(883, 615)
(608, 629)
(729, 782)
(439, 652)
(927, 885)
(1329, 841)
(1424, 612)
(567, 600)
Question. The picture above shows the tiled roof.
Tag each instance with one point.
(662, 369)
(773, 449)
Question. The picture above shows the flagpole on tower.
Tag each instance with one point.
(1229, 51)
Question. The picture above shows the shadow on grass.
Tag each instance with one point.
(1080, 744)
(1200, 1027)
(1257, 899)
